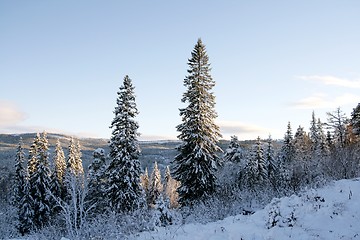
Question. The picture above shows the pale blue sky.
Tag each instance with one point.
(61, 63)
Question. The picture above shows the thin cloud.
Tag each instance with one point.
(335, 81)
(321, 100)
(145, 137)
(10, 114)
(243, 130)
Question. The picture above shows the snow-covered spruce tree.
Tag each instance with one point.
(234, 152)
(302, 165)
(123, 188)
(20, 177)
(163, 216)
(302, 145)
(171, 186)
(355, 120)
(25, 210)
(96, 179)
(33, 152)
(22, 197)
(271, 164)
(40, 184)
(155, 186)
(314, 133)
(196, 164)
(74, 162)
(256, 172)
(287, 149)
(286, 156)
(329, 140)
(145, 181)
(323, 148)
(58, 175)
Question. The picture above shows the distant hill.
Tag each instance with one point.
(161, 151)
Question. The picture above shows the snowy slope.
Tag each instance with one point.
(332, 212)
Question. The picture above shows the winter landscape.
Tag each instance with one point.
(265, 146)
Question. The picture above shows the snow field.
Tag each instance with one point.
(332, 212)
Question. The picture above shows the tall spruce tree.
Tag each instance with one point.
(40, 184)
(196, 164)
(123, 188)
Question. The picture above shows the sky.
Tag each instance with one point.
(62, 62)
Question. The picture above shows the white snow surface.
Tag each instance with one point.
(332, 212)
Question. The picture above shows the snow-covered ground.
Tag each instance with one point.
(332, 212)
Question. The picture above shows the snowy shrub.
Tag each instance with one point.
(280, 214)
(162, 214)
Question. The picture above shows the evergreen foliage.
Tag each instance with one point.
(171, 186)
(234, 152)
(256, 170)
(145, 181)
(302, 145)
(33, 152)
(323, 149)
(314, 133)
(163, 216)
(40, 183)
(123, 174)
(196, 164)
(287, 149)
(271, 164)
(74, 162)
(20, 174)
(97, 178)
(286, 156)
(25, 208)
(155, 187)
(58, 175)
